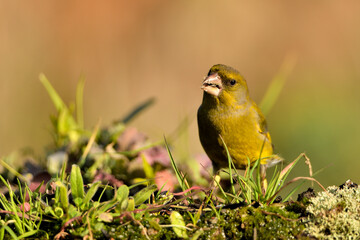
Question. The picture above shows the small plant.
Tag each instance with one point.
(22, 217)
(251, 186)
(71, 204)
(67, 129)
(114, 152)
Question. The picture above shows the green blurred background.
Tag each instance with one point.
(130, 51)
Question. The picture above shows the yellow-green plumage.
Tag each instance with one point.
(227, 110)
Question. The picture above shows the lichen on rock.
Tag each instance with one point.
(335, 214)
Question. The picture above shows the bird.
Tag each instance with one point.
(228, 115)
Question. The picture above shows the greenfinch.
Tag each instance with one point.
(228, 112)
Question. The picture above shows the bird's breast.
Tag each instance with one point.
(239, 130)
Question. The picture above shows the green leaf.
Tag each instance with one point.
(122, 193)
(2, 231)
(131, 204)
(64, 201)
(63, 125)
(63, 168)
(73, 211)
(197, 234)
(91, 192)
(10, 231)
(76, 184)
(137, 110)
(155, 224)
(58, 102)
(144, 194)
(28, 234)
(124, 204)
(178, 224)
(149, 171)
(78, 201)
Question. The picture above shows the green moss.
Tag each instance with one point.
(269, 222)
(335, 214)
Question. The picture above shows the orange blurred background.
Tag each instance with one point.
(130, 51)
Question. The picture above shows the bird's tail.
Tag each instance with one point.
(271, 160)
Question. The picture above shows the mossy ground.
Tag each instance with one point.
(308, 218)
(279, 221)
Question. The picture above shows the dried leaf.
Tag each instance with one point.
(105, 217)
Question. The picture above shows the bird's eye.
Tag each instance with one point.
(232, 82)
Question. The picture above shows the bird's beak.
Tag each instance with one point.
(212, 84)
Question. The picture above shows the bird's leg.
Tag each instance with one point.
(216, 180)
(263, 180)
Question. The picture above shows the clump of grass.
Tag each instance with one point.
(21, 218)
(250, 185)
(72, 203)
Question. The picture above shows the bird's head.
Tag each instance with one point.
(225, 84)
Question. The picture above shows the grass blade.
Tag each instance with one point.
(137, 110)
(89, 144)
(58, 102)
(230, 163)
(178, 174)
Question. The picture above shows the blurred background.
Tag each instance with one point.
(130, 51)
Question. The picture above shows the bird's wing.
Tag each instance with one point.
(261, 123)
